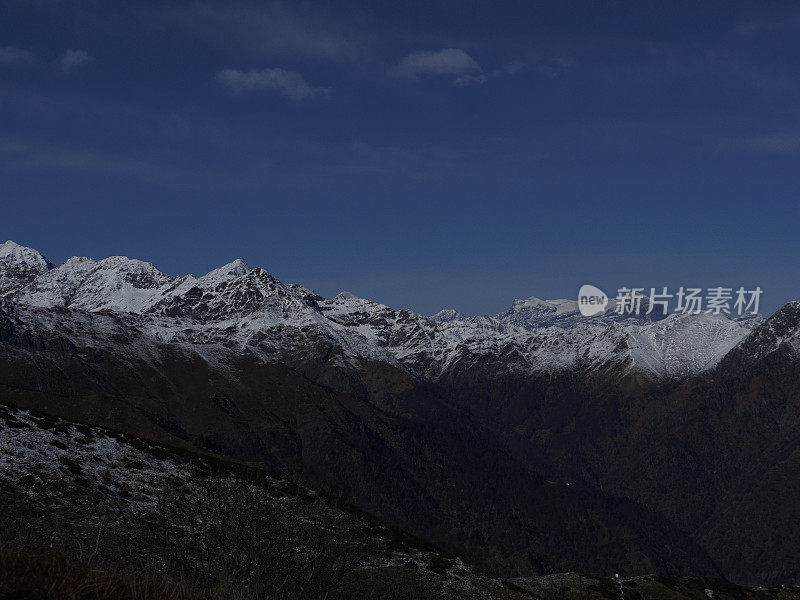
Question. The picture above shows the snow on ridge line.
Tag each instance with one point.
(243, 303)
(19, 265)
(14, 253)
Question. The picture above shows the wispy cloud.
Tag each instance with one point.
(511, 68)
(19, 154)
(471, 79)
(358, 157)
(265, 29)
(788, 22)
(72, 60)
(449, 62)
(289, 83)
(777, 142)
(421, 161)
(16, 57)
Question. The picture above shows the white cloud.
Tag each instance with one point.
(15, 56)
(449, 62)
(74, 59)
(289, 83)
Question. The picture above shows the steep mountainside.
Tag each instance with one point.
(65, 483)
(118, 486)
(530, 442)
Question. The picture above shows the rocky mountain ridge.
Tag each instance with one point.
(251, 310)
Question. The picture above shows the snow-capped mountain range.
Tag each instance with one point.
(563, 425)
(245, 309)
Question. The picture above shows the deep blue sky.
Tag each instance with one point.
(424, 154)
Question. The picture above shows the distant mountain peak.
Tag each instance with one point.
(123, 262)
(531, 301)
(345, 295)
(447, 315)
(234, 269)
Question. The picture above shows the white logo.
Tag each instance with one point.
(591, 300)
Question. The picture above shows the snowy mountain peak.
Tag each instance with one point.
(114, 283)
(127, 264)
(138, 273)
(233, 270)
(19, 265)
(12, 255)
